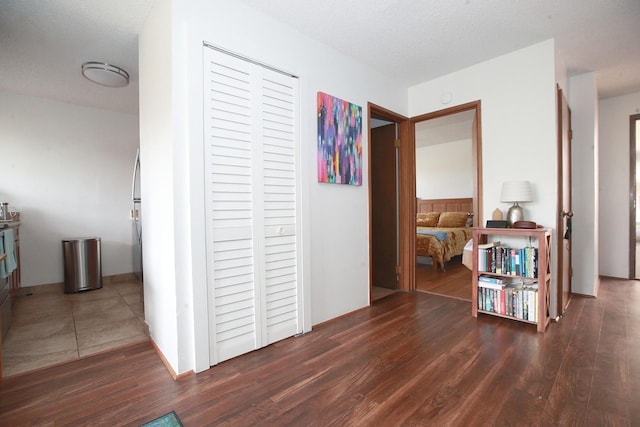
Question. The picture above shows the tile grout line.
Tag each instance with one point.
(75, 330)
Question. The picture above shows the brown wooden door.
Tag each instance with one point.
(384, 207)
(634, 129)
(565, 213)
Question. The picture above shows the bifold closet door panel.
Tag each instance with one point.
(278, 123)
(252, 251)
(229, 122)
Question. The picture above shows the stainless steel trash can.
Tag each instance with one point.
(82, 264)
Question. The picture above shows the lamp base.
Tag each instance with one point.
(514, 215)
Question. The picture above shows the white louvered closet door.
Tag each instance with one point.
(250, 171)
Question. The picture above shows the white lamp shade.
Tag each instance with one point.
(516, 191)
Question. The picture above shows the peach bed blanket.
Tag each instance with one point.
(441, 251)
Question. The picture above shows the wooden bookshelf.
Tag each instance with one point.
(542, 239)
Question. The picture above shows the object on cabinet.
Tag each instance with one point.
(497, 215)
(512, 282)
(496, 223)
(515, 192)
(525, 224)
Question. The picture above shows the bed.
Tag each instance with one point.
(443, 227)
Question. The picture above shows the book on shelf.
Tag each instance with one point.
(490, 285)
(491, 279)
(512, 299)
(488, 245)
(508, 261)
(494, 282)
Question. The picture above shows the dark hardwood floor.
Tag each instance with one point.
(454, 282)
(409, 359)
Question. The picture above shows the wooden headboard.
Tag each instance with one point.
(444, 205)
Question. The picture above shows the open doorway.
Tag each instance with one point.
(447, 179)
(384, 213)
(387, 130)
(404, 177)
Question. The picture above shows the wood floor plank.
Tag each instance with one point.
(410, 359)
(568, 401)
(632, 312)
(609, 401)
(536, 373)
(455, 282)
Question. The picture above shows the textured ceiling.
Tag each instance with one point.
(44, 42)
(420, 40)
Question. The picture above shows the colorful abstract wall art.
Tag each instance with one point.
(339, 141)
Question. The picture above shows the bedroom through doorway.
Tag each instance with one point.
(447, 177)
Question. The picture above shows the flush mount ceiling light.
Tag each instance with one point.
(105, 74)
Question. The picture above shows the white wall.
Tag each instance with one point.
(157, 181)
(614, 180)
(68, 170)
(561, 74)
(518, 96)
(583, 101)
(335, 270)
(444, 170)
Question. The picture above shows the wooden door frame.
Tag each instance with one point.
(476, 153)
(407, 182)
(408, 175)
(406, 252)
(632, 195)
(560, 226)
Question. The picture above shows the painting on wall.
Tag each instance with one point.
(339, 141)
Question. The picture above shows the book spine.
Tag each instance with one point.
(520, 311)
(493, 259)
(489, 285)
(510, 302)
(490, 279)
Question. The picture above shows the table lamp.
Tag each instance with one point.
(515, 192)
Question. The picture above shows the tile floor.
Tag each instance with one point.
(50, 327)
